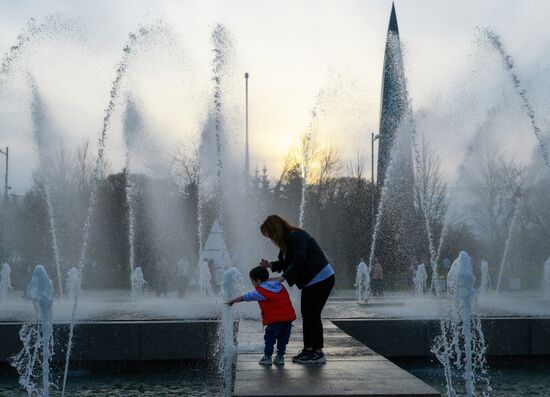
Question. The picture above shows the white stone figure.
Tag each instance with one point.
(5, 281)
(485, 281)
(420, 279)
(546, 279)
(73, 283)
(362, 282)
(37, 337)
(205, 278)
(138, 284)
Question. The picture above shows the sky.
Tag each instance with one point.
(293, 50)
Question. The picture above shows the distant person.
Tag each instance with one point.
(377, 279)
(446, 264)
(303, 264)
(277, 313)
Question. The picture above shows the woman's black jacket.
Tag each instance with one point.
(302, 261)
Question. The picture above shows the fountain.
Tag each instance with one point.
(362, 283)
(133, 41)
(461, 344)
(128, 189)
(73, 283)
(33, 361)
(39, 121)
(420, 278)
(546, 279)
(485, 282)
(5, 281)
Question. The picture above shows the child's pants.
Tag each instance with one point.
(279, 332)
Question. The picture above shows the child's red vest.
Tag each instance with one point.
(277, 307)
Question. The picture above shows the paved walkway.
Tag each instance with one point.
(352, 369)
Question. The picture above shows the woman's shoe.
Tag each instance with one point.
(265, 360)
(300, 355)
(313, 358)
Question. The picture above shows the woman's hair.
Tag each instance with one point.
(277, 229)
(259, 273)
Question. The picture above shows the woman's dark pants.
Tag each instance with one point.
(312, 302)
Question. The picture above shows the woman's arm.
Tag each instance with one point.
(299, 243)
(275, 266)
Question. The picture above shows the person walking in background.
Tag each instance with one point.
(303, 264)
(377, 278)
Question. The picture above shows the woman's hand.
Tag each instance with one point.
(279, 279)
(265, 263)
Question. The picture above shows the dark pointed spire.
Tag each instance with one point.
(393, 21)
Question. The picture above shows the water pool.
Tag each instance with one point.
(509, 377)
(194, 381)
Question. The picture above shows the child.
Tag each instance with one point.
(277, 313)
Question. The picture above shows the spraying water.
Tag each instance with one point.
(133, 40)
(307, 154)
(496, 42)
(461, 344)
(232, 285)
(420, 278)
(515, 217)
(130, 200)
(546, 279)
(38, 116)
(73, 282)
(485, 282)
(33, 361)
(5, 281)
(362, 283)
(221, 47)
(52, 24)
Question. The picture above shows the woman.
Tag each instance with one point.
(303, 264)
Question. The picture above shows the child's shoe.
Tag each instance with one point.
(279, 360)
(265, 360)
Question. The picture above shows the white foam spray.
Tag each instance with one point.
(138, 284)
(362, 283)
(33, 361)
(546, 279)
(461, 344)
(232, 285)
(5, 281)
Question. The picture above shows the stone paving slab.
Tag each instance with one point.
(352, 369)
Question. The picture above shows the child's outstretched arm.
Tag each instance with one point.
(235, 300)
